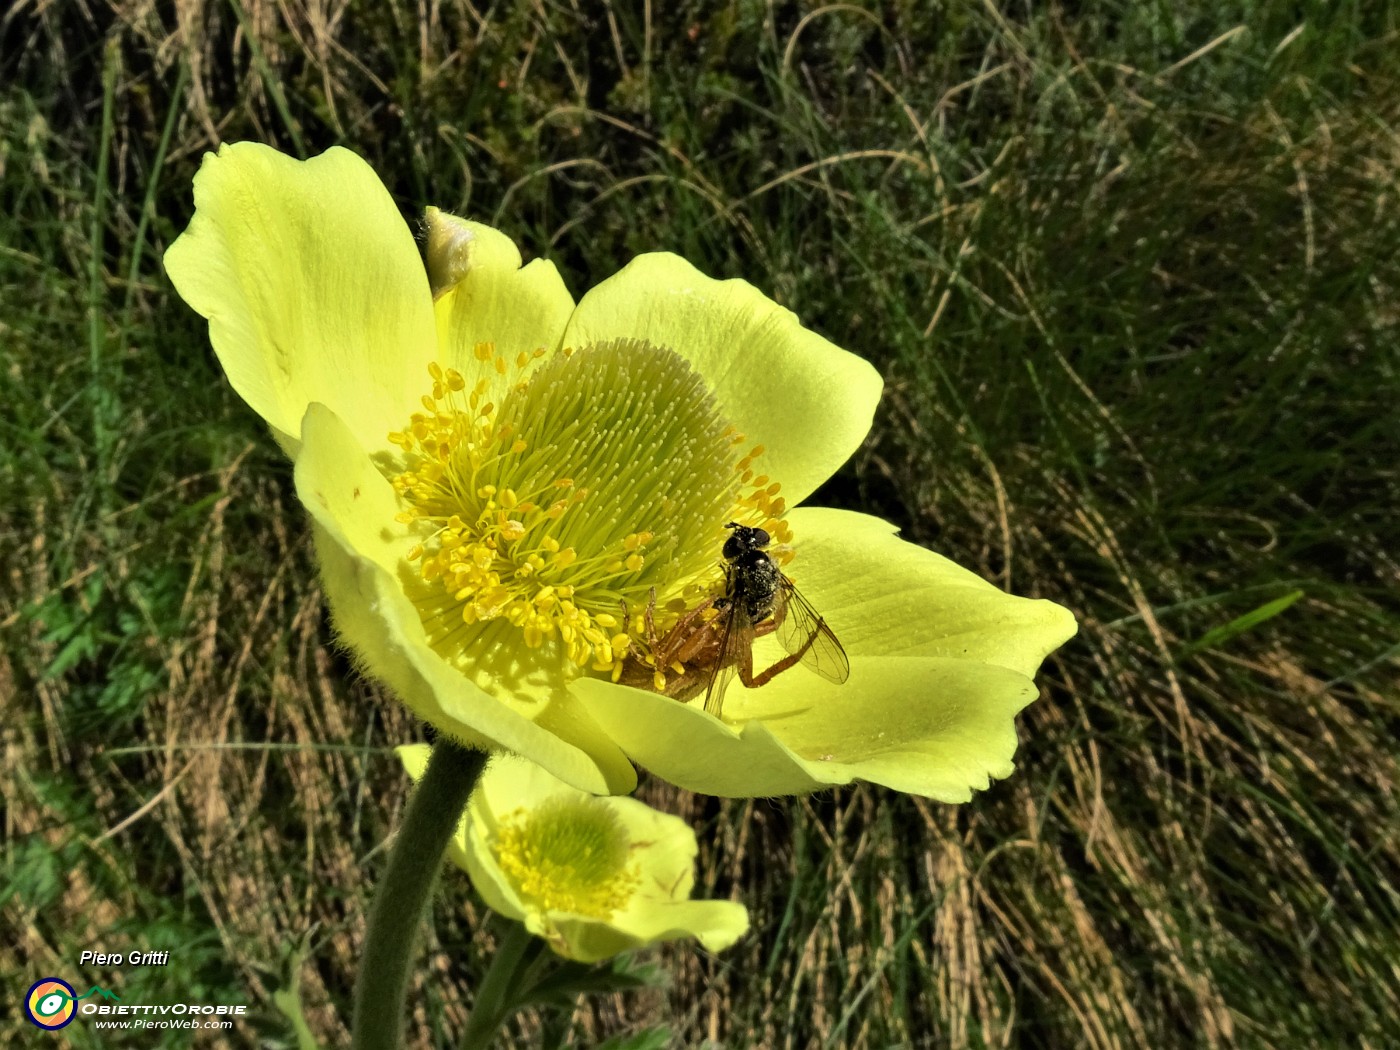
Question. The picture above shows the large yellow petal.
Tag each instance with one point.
(884, 596)
(808, 402)
(927, 726)
(361, 549)
(681, 744)
(312, 285)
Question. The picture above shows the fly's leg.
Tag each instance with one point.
(753, 681)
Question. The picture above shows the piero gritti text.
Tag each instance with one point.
(129, 959)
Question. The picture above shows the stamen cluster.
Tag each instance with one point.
(567, 855)
(492, 550)
(560, 493)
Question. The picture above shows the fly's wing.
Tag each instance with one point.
(735, 638)
(804, 634)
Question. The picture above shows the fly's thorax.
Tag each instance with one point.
(754, 582)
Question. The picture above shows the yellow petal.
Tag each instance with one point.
(469, 847)
(808, 402)
(884, 596)
(490, 298)
(715, 924)
(455, 247)
(928, 726)
(360, 548)
(312, 285)
(662, 910)
(680, 743)
(415, 759)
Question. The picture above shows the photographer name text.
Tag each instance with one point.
(130, 959)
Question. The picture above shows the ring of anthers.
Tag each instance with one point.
(569, 494)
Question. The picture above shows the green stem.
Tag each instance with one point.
(101, 392)
(432, 814)
(494, 998)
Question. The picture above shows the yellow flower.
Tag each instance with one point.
(592, 876)
(499, 480)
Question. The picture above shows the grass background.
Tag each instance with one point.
(1130, 272)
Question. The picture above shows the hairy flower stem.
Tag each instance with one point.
(432, 814)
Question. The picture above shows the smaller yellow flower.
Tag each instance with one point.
(591, 876)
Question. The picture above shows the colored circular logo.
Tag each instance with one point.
(50, 1003)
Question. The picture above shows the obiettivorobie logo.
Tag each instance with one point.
(51, 1003)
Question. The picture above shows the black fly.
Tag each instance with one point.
(756, 592)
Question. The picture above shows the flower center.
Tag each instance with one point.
(568, 854)
(554, 497)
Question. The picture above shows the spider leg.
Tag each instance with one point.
(650, 618)
(691, 643)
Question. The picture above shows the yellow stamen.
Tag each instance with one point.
(583, 483)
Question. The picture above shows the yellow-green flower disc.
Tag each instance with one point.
(568, 854)
(592, 876)
(601, 476)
